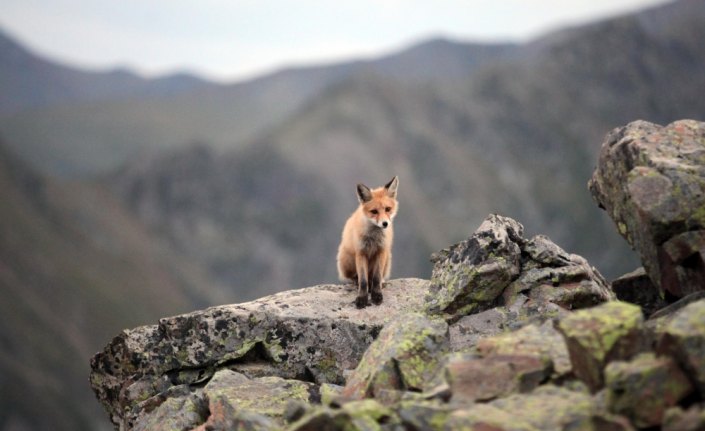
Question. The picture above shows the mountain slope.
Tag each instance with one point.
(517, 136)
(95, 137)
(74, 270)
(29, 81)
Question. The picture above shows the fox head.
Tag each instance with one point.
(379, 205)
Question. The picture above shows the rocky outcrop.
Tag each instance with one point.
(313, 334)
(651, 181)
(213, 368)
(497, 281)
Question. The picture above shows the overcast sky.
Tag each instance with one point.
(234, 39)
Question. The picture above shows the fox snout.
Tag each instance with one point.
(385, 224)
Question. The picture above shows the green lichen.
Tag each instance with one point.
(329, 393)
(398, 347)
(241, 351)
(631, 387)
(622, 228)
(369, 407)
(598, 329)
(268, 396)
(327, 367)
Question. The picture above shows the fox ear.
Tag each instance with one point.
(392, 187)
(364, 194)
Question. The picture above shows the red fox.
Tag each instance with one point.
(365, 252)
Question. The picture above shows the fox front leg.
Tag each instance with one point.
(362, 285)
(375, 277)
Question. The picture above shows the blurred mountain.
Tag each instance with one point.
(75, 269)
(76, 138)
(29, 81)
(517, 134)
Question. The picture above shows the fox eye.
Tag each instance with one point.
(388, 209)
(374, 212)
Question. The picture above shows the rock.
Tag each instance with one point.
(599, 335)
(657, 322)
(542, 341)
(225, 418)
(423, 415)
(677, 419)
(637, 288)
(466, 332)
(266, 396)
(329, 392)
(362, 415)
(534, 279)
(471, 378)
(404, 356)
(683, 337)
(651, 181)
(313, 333)
(644, 388)
(573, 286)
(547, 408)
(486, 417)
(178, 413)
(471, 274)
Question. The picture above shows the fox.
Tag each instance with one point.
(365, 251)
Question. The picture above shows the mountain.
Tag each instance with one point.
(100, 134)
(518, 136)
(75, 268)
(29, 81)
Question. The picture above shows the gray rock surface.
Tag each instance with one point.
(651, 181)
(636, 287)
(507, 351)
(519, 280)
(311, 334)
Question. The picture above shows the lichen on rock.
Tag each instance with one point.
(404, 356)
(651, 181)
(598, 335)
(645, 387)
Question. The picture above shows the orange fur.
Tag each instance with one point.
(365, 251)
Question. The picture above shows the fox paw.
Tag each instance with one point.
(376, 297)
(361, 302)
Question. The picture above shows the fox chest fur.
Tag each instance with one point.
(372, 241)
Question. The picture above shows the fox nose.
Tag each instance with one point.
(385, 224)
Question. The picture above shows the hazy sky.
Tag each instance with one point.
(230, 39)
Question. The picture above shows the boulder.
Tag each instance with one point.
(177, 413)
(466, 332)
(534, 279)
(404, 356)
(423, 415)
(547, 408)
(312, 334)
(471, 378)
(636, 287)
(599, 335)
(651, 181)
(264, 396)
(644, 388)
(359, 415)
(678, 419)
(683, 338)
(542, 341)
(469, 275)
